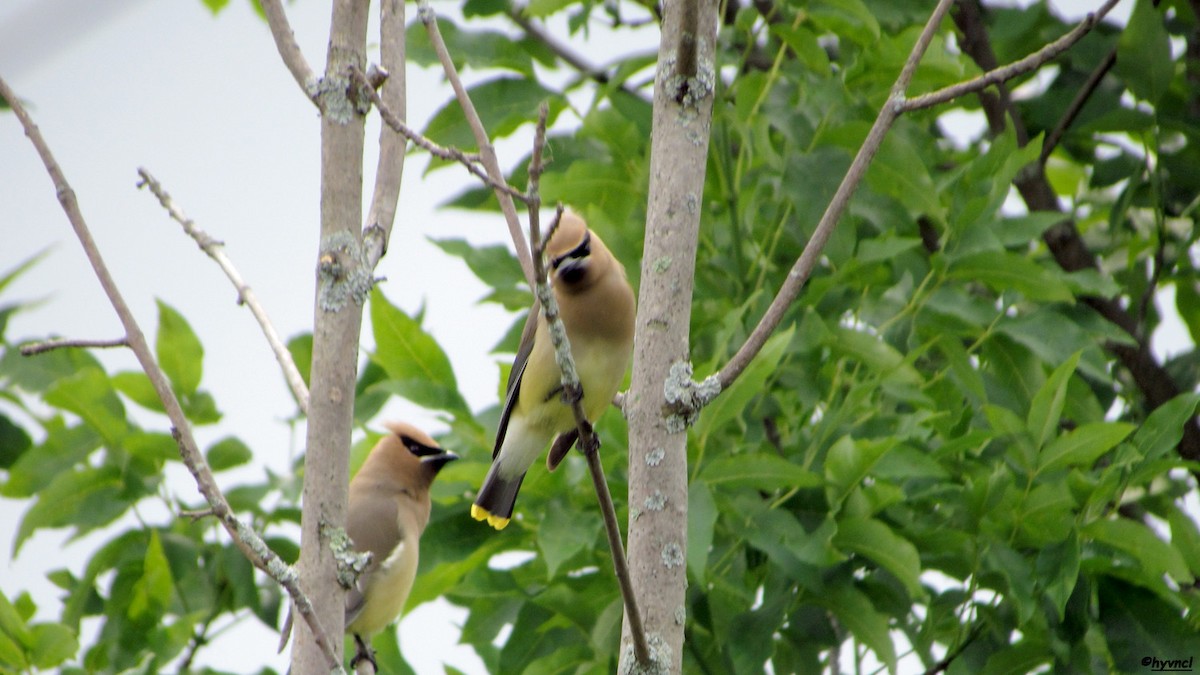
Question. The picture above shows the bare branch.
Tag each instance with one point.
(487, 151)
(216, 250)
(244, 537)
(389, 171)
(289, 51)
(34, 348)
(1008, 72)
(469, 160)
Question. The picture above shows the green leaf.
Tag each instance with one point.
(875, 353)
(504, 104)
(228, 453)
(702, 519)
(849, 461)
(562, 536)
(152, 590)
(300, 347)
(89, 394)
(850, 18)
(215, 6)
(733, 402)
(760, 471)
(543, 8)
(1082, 445)
(856, 612)
(1002, 271)
(1144, 54)
(53, 643)
(137, 387)
(418, 368)
(878, 542)
(13, 442)
(494, 265)
(1156, 557)
(1185, 537)
(85, 498)
(1017, 659)
(1047, 405)
(179, 351)
(1163, 428)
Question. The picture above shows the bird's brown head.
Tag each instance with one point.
(576, 255)
(412, 452)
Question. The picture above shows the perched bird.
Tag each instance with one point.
(596, 304)
(388, 509)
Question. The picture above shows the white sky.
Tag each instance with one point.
(206, 106)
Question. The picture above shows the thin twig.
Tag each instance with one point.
(469, 160)
(573, 392)
(487, 152)
(1081, 98)
(1014, 69)
(244, 537)
(389, 171)
(289, 50)
(564, 52)
(34, 348)
(215, 249)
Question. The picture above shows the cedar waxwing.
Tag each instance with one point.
(388, 510)
(596, 304)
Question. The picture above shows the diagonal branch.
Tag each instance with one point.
(246, 296)
(487, 152)
(244, 537)
(289, 51)
(573, 392)
(1003, 74)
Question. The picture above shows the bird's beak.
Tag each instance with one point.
(440, 459)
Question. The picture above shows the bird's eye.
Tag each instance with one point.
(417, 448)
(583, 250)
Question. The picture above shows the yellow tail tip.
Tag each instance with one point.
(480, 513)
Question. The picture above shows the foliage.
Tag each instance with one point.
(940, 461)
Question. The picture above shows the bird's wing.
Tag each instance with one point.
(373, 525)
(513, 388)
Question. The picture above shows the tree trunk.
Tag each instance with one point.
(343, 281)
(658, 442)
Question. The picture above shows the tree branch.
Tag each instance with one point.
(1008, 72)
(216, 250)
(452, 154)
(244, 537)
(389, 171)
(573, 392)
(34, 348)
(487, 152)
(289, 51)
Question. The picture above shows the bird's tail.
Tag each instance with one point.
(496, 497)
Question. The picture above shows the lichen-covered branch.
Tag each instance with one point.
(244, 537)
(246, 296)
